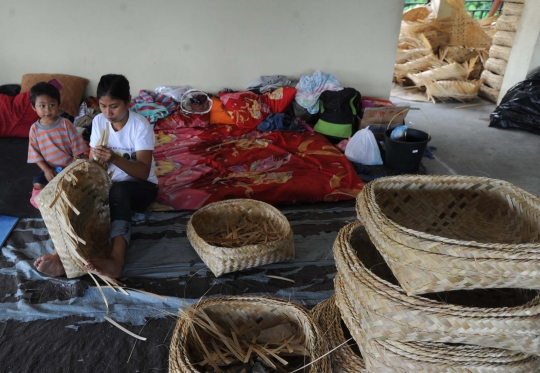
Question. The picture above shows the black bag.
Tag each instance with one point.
(338, 118)
(520, 107)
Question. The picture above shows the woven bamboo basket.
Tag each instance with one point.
(406, 55)
(384, 356)
(512, 9)
(496, 66)
(75, 209)
(507, 319)
(441, 233)
(504, 38)
(345, 359)
(491, 79)
(216, 216)
(416, 14)
(460, 216)
(246, 321)
(507, 23)
(497, 51)
(489, 93)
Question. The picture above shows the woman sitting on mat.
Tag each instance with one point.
(129, 155)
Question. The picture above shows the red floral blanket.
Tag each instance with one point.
(198, 166)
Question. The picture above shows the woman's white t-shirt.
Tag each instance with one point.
(136, 135)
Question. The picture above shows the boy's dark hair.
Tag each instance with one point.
(115, 86)
(42, 89)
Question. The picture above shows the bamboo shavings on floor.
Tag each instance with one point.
(244, 232)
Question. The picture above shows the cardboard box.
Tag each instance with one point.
(381, 116)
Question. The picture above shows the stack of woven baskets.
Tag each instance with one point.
(499, 53)
(437, 276)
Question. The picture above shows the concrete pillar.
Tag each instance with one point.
(525, 55)
(442, 8)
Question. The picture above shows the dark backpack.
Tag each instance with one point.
(338, 114)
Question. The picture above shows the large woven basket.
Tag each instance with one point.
(504, 38)
(512, 8)
(496, 66)
(479, 232)
(222, 260)
(383, 356)
(345, 359)
(508, 23)
(501, 318)
(75, 209)
(245, 316)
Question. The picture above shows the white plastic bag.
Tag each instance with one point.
(175, 92)
(362, 148)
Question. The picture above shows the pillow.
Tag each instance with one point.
(280, 99)
(182, 120)
(248, 109)
(218, 114)
(71, 89)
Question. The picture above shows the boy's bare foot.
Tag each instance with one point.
(50, 264)
(109, 267)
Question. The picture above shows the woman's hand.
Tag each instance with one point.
(104, 154)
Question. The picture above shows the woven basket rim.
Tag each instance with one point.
(347, 261)
(179, 362)
(370, 188)
(326, 313)
(430, 352)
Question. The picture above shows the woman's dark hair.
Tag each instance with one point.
(114, 86)
(44, 89)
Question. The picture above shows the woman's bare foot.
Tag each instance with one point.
(109, 267)
(50, 264)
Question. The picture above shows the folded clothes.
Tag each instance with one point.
(310, 87)
(282, 122)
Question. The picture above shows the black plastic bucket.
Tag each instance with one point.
(405, 155)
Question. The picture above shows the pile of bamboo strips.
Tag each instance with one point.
(244, 232)
(441, 57)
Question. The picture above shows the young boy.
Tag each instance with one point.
(54, 141)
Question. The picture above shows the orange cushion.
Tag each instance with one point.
(218, 114)
(71, 90)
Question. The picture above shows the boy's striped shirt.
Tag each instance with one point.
(55, 144)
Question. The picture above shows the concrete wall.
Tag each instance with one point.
(209, 44)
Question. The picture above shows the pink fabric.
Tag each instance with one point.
(35, 192)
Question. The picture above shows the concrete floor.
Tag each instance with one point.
(467, 146)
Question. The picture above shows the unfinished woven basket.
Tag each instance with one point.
(75, 209)
(384, 356)
(245, 319)
(441, 233)
(216, 216)
(501, 318)
(344, 359)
